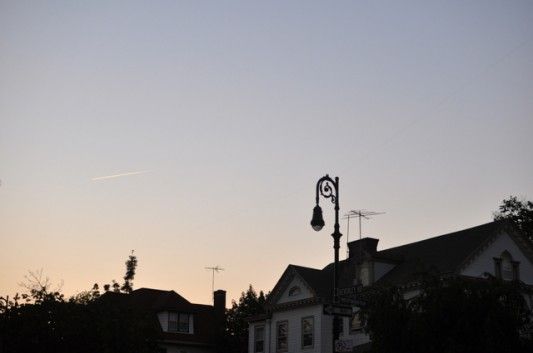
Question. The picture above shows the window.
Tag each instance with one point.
(178, 322)
(507, 265)
(173, 322)
(516, 270)
(498, 267)
(308, 329)
(184, 323)
(365, 276)
(259, 339)
(505, 268)
(294, 291)
(282, 333)
(355, 323)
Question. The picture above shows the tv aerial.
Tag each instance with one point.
(361, 214)
(214, 269)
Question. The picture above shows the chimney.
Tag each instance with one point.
(363, 246)
(219, 301)
(219, 310)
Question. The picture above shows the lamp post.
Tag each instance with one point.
(329, 188)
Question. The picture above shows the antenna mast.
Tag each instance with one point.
(359, 214)
(216, 269)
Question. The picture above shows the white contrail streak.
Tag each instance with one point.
(119, 175)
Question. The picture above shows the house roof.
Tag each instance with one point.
(156, 301)
(316, 279)
(441, 254)
(313, 278)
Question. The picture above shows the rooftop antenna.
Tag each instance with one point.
(216, 269)
(359, 214)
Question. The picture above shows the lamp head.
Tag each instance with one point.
(318, 221)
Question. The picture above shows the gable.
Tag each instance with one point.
(296, 290)
(310, 281)
(484, 261)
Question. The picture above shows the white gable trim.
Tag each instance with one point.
(284, 285)
(305, 291)
(483, 262)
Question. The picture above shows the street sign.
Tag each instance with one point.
(359, 303)
(338, 310)
(349, 291)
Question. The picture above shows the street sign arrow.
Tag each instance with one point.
(338, 310)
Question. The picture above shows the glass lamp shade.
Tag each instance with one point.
(318, 221)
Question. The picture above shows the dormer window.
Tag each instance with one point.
(179, 322)
(294, 291)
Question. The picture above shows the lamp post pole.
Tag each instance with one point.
(329, 188)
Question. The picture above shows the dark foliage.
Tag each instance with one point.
(519, 212)
(56, 325)
(42, 320)
(250, 304)
(449, 315)
(131, 265)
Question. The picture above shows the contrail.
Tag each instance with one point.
(119, 175)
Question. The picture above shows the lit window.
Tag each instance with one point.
(259, 339)
(355, 323)
(294, 291)
(282, 334)
(308, 329)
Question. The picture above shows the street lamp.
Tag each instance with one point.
(329, 189)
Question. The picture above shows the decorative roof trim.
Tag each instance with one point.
(295, 304)
(474, 254)
(505, 228)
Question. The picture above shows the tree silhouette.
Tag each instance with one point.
(449, 315)
(42, 320)
(519, 212)
(250, 304)
(127, 286)
(131, 265)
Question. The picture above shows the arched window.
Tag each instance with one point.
(294, 291)
(505, 267)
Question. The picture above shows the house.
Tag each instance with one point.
(295, 319)
(183, 327)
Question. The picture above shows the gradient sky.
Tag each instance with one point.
(233, 110)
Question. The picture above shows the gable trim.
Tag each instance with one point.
(283, 284)
(508, 229)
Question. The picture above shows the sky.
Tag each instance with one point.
(217, 118)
